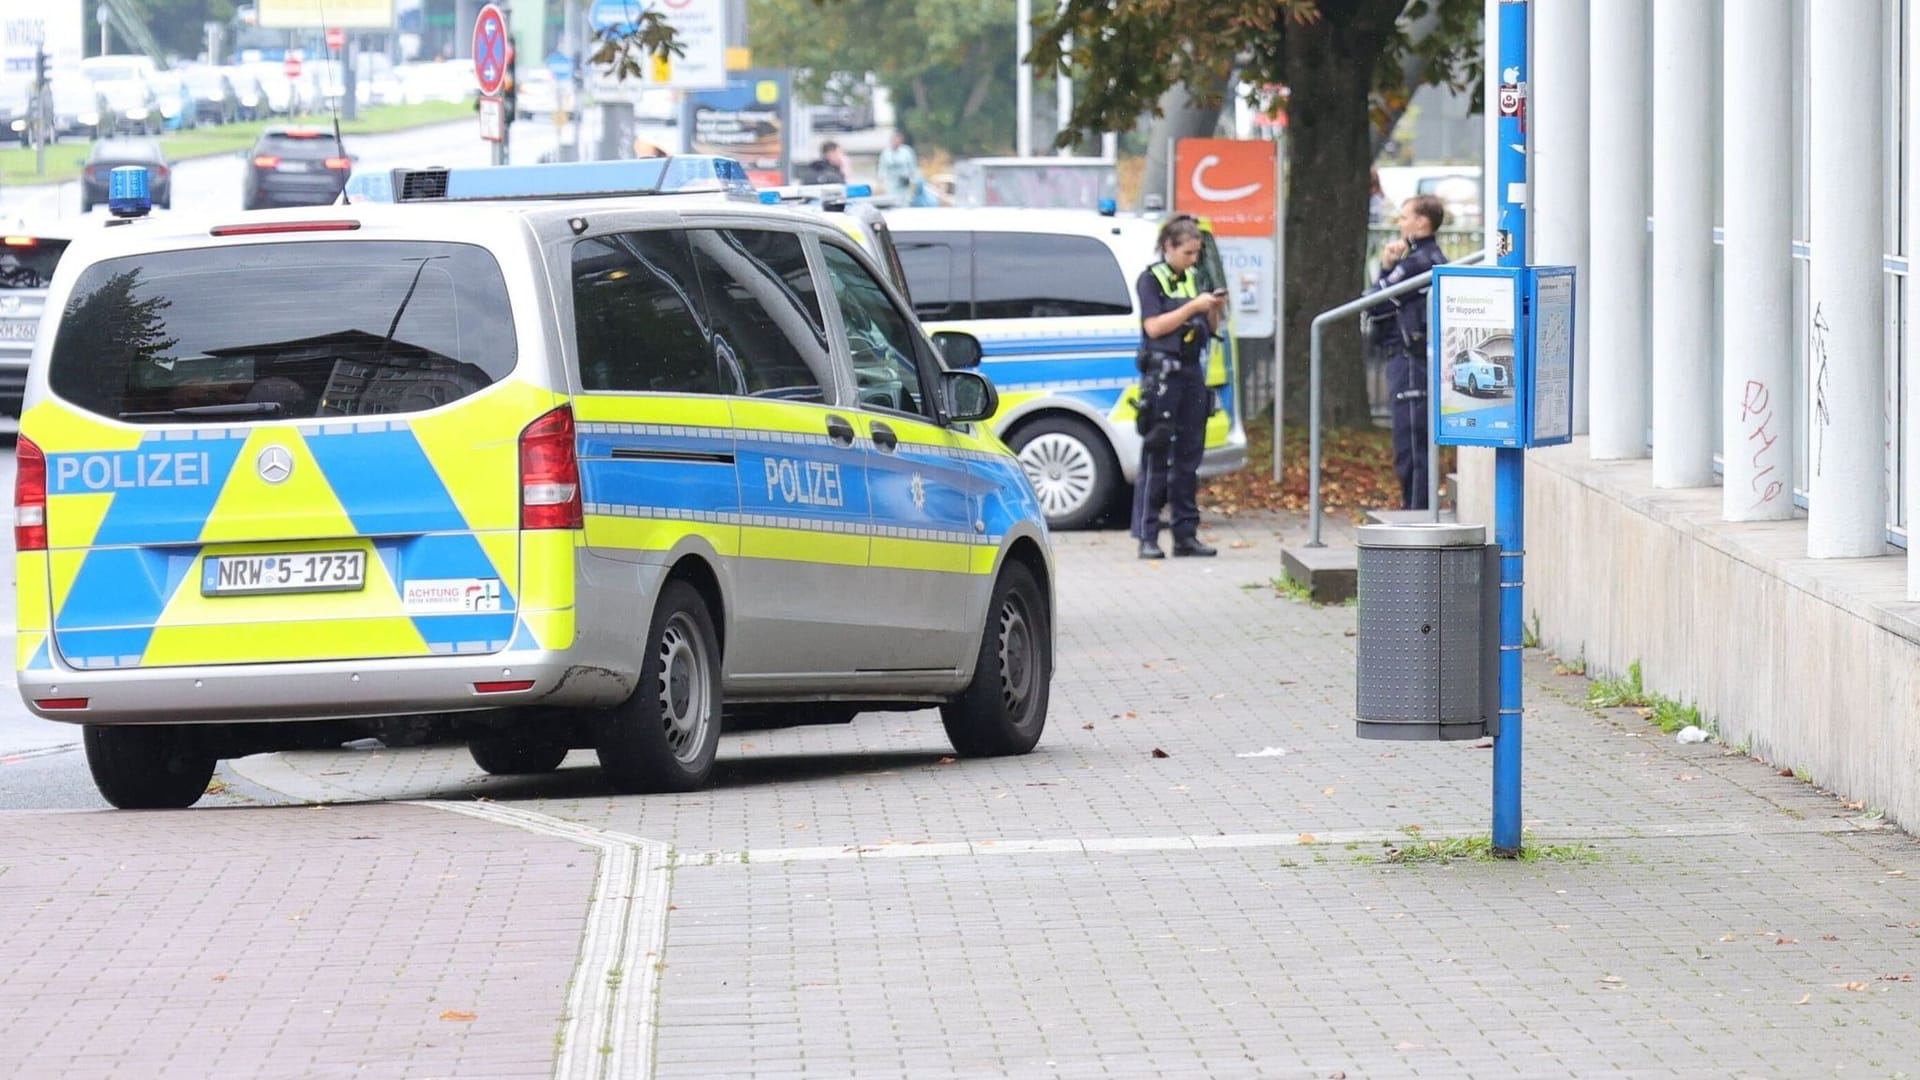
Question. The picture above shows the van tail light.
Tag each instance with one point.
(29, 497)
(549, 473)
(266, 161)
(339, 163)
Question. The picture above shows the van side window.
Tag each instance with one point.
(936, 268)
(769, 336)
(1042, 276)
(637, 317)
(880, 338)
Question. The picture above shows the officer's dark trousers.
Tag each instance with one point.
(1407, 382)
(1171, 475)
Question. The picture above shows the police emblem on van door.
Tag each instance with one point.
(275, 464)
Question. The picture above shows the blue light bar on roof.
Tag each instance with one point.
(576, 180)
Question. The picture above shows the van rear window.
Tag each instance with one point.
(283, 331)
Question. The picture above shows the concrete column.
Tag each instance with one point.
(1615, 303)
(1683, 134)
(1911, 452)
(1756, 331)
(1559, 127)
(1846, 376)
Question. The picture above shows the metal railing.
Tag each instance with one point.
(1320, 323)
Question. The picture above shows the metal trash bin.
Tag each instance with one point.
(1429, 632)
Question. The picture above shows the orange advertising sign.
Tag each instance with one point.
(1229, 181)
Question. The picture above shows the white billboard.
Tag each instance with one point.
(700, 26)
(308, 14)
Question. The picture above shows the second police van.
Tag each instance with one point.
(542, 473)
(1049, 293)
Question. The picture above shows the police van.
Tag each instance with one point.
(497, 463)
(1050, 296)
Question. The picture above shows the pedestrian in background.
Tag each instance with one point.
(1177, 324)
(1401, 324)
(900, 169)
(1379, 207)
(829, 168)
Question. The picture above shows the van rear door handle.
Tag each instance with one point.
(884, 438)
(840, 430)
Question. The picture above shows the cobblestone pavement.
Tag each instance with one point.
(850, 901)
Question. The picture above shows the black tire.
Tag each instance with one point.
(146, 766)
(516, 754)
(1004, 709)
(1071, 467)
(664, 737)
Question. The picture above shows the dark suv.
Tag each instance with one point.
(295, 166)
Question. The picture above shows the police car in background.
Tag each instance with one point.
(521, 459)
(28, 256)
(1049, 294)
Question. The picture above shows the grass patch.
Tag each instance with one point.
(1293, 590)
(1477, 849)
(65, 159)
(1611, 692)
(1670, 716)
(1530, 633)
(1575, 666)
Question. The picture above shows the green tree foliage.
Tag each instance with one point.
(179, 25)
(1349, 65)
(947, 63)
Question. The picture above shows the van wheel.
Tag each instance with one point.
(1003, 710)
(514, 754)
(664, 737)
(1071, 468)
(146, 767)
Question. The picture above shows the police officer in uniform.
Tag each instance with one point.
(1177, 323)
(1400, 328)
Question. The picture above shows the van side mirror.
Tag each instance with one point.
(967, 396)
(960, 351)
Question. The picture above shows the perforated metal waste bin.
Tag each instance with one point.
(1429, 634)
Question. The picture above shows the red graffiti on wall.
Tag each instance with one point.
(1757, 402)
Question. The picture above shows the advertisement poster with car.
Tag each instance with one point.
(1475, 356)
(750, 121)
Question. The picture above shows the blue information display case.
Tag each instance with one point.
(1500, 365)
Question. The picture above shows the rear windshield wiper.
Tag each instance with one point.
(237, 408)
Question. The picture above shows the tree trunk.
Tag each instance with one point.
(1330, 65)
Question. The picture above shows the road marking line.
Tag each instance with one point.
(1334, 838)
(39, 751)
(609, 1028)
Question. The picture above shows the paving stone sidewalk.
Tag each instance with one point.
(362, 941)
(850, 901)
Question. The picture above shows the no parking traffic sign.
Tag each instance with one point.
(490, 50)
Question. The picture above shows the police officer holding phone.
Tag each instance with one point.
(1177, 324)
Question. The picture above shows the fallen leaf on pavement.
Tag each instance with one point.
(1785, 941)
(1612, 980)
(458, 1014)
(1804, 998)
(1306, 838)
(1159, 753)
(1856, 806)
(1349, 633)
(222, 977)
(1904, 976)
(1240, 544)
(1856, 987)
(1829, 937)
(1786, 772)
(1326, 791)
(948, 760)
(1088, 726)
(1729, 937)
(1688, 776)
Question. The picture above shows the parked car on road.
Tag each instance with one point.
(250, 97)
(1477, 374)
(109, 154)
(215, 100)
(177, 109)
(134, 106)
(79, 109)
(294, 166)
(28, 254)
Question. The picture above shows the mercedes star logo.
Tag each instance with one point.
(275, 464)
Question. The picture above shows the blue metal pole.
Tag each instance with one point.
(1510, 466)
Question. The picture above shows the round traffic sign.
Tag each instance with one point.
(490, 50)
(293, 67)
(336, 37)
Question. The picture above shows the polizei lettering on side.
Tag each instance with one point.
(128, 470)
(804, 483)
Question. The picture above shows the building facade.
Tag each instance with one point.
(1734, 180)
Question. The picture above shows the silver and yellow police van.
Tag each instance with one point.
(525, 458)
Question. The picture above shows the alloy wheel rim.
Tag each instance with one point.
(1061, 469)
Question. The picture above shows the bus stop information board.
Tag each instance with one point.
(1501, 355)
